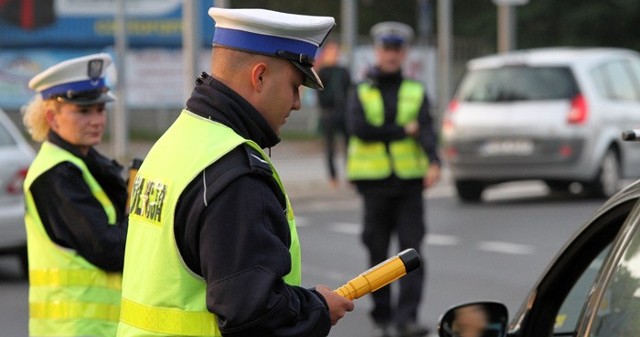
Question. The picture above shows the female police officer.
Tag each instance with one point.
(75, 204)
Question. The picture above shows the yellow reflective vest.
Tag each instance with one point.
(160, 295)
(375, 160)
(68, 296)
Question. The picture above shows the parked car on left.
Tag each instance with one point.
(16, 154)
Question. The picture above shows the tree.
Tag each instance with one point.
(540, 23)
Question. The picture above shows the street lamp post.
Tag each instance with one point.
(445, 41)
(120, 120)
(507, 23)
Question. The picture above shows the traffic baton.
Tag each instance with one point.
(381, 274)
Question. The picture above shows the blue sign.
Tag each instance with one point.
(18, 67)
(91, 23)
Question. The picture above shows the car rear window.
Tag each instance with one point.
(518, 83)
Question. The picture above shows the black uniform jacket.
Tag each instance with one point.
(73, 217)
(231, 228)
(389, 85)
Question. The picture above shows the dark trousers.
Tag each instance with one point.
(402, 215)
(332, 126)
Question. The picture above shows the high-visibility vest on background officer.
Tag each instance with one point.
(376, 159)
(75, 204)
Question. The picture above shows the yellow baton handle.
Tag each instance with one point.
(381, 274)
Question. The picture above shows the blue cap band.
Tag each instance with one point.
(392, 40)
(260, 43)
(79, 86)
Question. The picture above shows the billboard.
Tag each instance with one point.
(154, 76)
(91, 23)
(18, 66)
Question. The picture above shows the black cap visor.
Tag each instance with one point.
(311, 79)
(305, 64)
(86, 97)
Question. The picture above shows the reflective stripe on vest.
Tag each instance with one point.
(160, 295)
(68, 296)
(372, 160)
(168, 321)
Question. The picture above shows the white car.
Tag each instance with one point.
(16, 155)
(550, 114)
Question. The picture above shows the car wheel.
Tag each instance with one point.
(558, 185)
(469, 191)
(607, 181)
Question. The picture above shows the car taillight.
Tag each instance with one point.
(579, 110)
(14, 186)
(453, 105)
(447, 122)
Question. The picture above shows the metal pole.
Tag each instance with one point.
(423, 17)
(445, 40)
(506, 28)
(119, 122)
(349, 29)
(190, 44)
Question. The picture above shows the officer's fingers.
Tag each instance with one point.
(350, 305)
(338, 305)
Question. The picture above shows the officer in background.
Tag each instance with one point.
(75, 204)
(333, 101)
(212, 247)
(392, 157)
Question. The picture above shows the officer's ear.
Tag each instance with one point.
(50, 117)
(258, 74)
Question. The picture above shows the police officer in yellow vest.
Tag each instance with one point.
(392, 157)
(75, 204)
(212, 247)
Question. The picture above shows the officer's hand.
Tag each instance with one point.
(412, 129)
(338, 305)
(432, 176)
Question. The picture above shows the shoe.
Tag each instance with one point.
(412, 330)
(381, 330)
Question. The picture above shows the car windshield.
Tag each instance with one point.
(518, 83)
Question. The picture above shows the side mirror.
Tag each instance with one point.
(477, 319)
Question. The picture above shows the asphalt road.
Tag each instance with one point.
(490, 251)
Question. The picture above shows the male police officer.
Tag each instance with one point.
(213, 248)
(392, 144)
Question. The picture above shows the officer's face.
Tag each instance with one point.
(390, 58)
(281, 93)
(80, 125)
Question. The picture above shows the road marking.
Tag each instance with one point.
(440, 191)
(431, 239)
(345, 228)
(506, 247)
(442, 240)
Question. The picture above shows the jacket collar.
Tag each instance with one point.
(214, 100)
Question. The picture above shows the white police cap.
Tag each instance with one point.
(261, 31)
(79, 80)
(391, 33)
